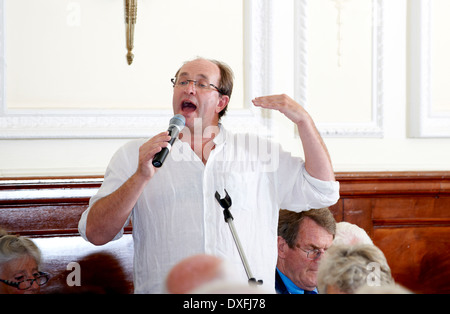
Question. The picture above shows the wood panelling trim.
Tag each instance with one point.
(411, 222)
(14, 191)
(50, 182)
(45, 207)
(410, 206)
(393, 175)
(394, 183)
(439, 180)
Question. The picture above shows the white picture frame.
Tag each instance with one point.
(424, 121)
(372, 128)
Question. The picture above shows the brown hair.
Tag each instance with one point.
(289, 223)
(226, 80)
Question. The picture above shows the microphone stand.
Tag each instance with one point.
(226, 204)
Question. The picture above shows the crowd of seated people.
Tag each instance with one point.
(315, 255)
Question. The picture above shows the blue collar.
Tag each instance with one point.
(291, 287)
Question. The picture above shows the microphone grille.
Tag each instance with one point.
(178, 120)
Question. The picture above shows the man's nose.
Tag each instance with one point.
(190, 88)
(34, 286)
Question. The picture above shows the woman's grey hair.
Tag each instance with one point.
(349, 267)
(350, 234)
(13, 247)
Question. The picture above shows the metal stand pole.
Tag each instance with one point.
(226, 204)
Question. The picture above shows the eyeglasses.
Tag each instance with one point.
(312, 254)
(202, 85)
(41, 279)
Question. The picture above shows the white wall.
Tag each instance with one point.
(395, 149)
(392, 150)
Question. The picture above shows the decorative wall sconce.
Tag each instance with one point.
(130, 21)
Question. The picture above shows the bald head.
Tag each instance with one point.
(193, 272)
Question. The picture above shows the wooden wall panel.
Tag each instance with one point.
(418, 207)
(42, 220)
(408, 217)
(419, 257)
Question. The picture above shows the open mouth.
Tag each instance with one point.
(188, 106)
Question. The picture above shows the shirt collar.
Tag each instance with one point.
(220, 138)
(291, 287)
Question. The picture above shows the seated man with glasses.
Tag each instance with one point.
(173, 207)
(19, 265)
(302, 239)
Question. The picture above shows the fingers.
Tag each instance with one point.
(268, 102)
(148, 150)
(153, 146)
(161, 140)
(283, 103)
(274, 101)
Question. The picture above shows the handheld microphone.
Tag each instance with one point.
(175, 126)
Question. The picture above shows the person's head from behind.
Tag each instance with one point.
(350, 234)
(202, 89)
(197, 271)
(346, 268)
(19, 265)
(302, 239)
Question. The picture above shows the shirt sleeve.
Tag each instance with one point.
(122, 165)
(298, 190)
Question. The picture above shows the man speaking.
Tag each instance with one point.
(173, 208)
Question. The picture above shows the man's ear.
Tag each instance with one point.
(223, 103)
(282, 247)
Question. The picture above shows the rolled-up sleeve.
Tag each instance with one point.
(323, 193)
(120, 168)
(300, 191)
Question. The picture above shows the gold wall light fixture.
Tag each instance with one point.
(130, 21)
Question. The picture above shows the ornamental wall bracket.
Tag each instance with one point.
(130, 21)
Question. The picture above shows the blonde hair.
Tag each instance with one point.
(346, 267)
(14, 246)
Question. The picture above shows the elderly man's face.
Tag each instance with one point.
(294, 262)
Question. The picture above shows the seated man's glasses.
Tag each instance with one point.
(312, 254)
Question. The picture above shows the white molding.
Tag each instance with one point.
(2, 59)
(301, 51)
(43, 124)
(258, 35)
(373, 128)
(423, 121)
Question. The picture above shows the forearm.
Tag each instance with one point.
(317, 159)
(108, 215)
